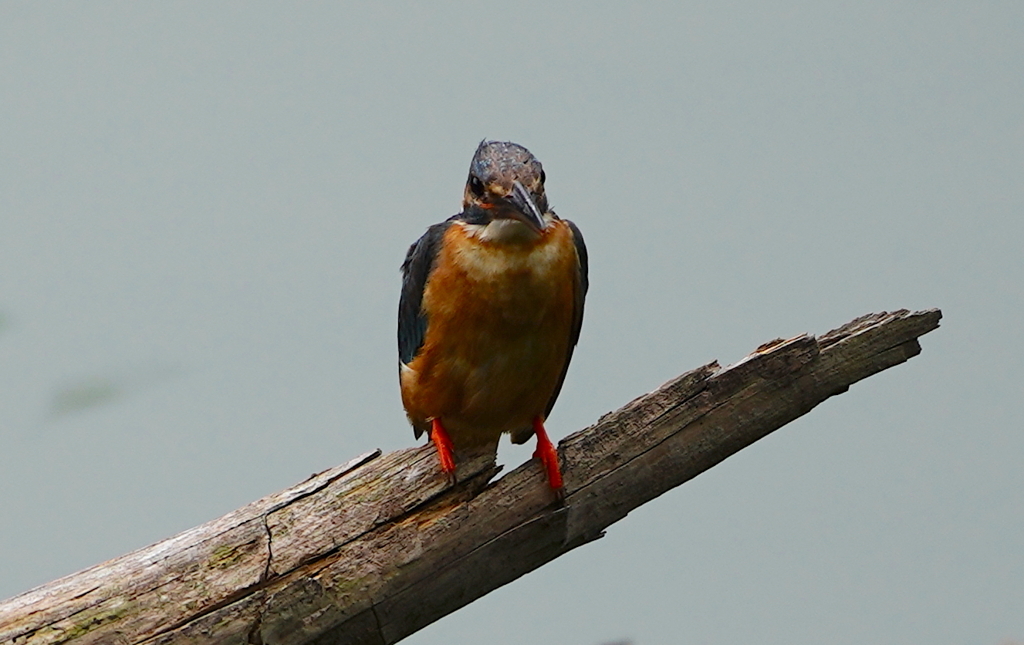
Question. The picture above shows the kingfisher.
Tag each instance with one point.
(490, 312)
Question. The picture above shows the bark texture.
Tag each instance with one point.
(379, 547)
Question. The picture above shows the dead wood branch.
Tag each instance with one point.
(377, 548)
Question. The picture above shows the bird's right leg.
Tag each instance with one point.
(444, 447)
(549, 457)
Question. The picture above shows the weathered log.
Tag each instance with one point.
(375, 549)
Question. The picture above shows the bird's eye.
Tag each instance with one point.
(542, 176)
(476, 186)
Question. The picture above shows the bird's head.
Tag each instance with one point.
(504, 194)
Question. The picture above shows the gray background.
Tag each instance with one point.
(203, 209)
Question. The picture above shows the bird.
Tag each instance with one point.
(490, 312)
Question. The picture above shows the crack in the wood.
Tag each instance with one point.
(377, 623)
(255, 635)
(270, 547)
(264, 579)
(910, 342)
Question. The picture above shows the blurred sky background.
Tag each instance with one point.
(203, 208)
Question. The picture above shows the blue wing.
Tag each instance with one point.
(582, 285)
(419, 262)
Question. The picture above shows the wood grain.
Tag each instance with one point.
(379, 547)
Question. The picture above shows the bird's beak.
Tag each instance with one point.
(525, 210)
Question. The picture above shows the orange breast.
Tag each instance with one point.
(499, 318)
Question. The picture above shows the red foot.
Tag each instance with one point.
(547, 455)
(444, 447)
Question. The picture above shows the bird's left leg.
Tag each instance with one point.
(548, 456)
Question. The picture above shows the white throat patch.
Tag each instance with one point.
(502, 231)
(504, 254)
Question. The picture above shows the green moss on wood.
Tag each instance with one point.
(225, 556)
(89, 623)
